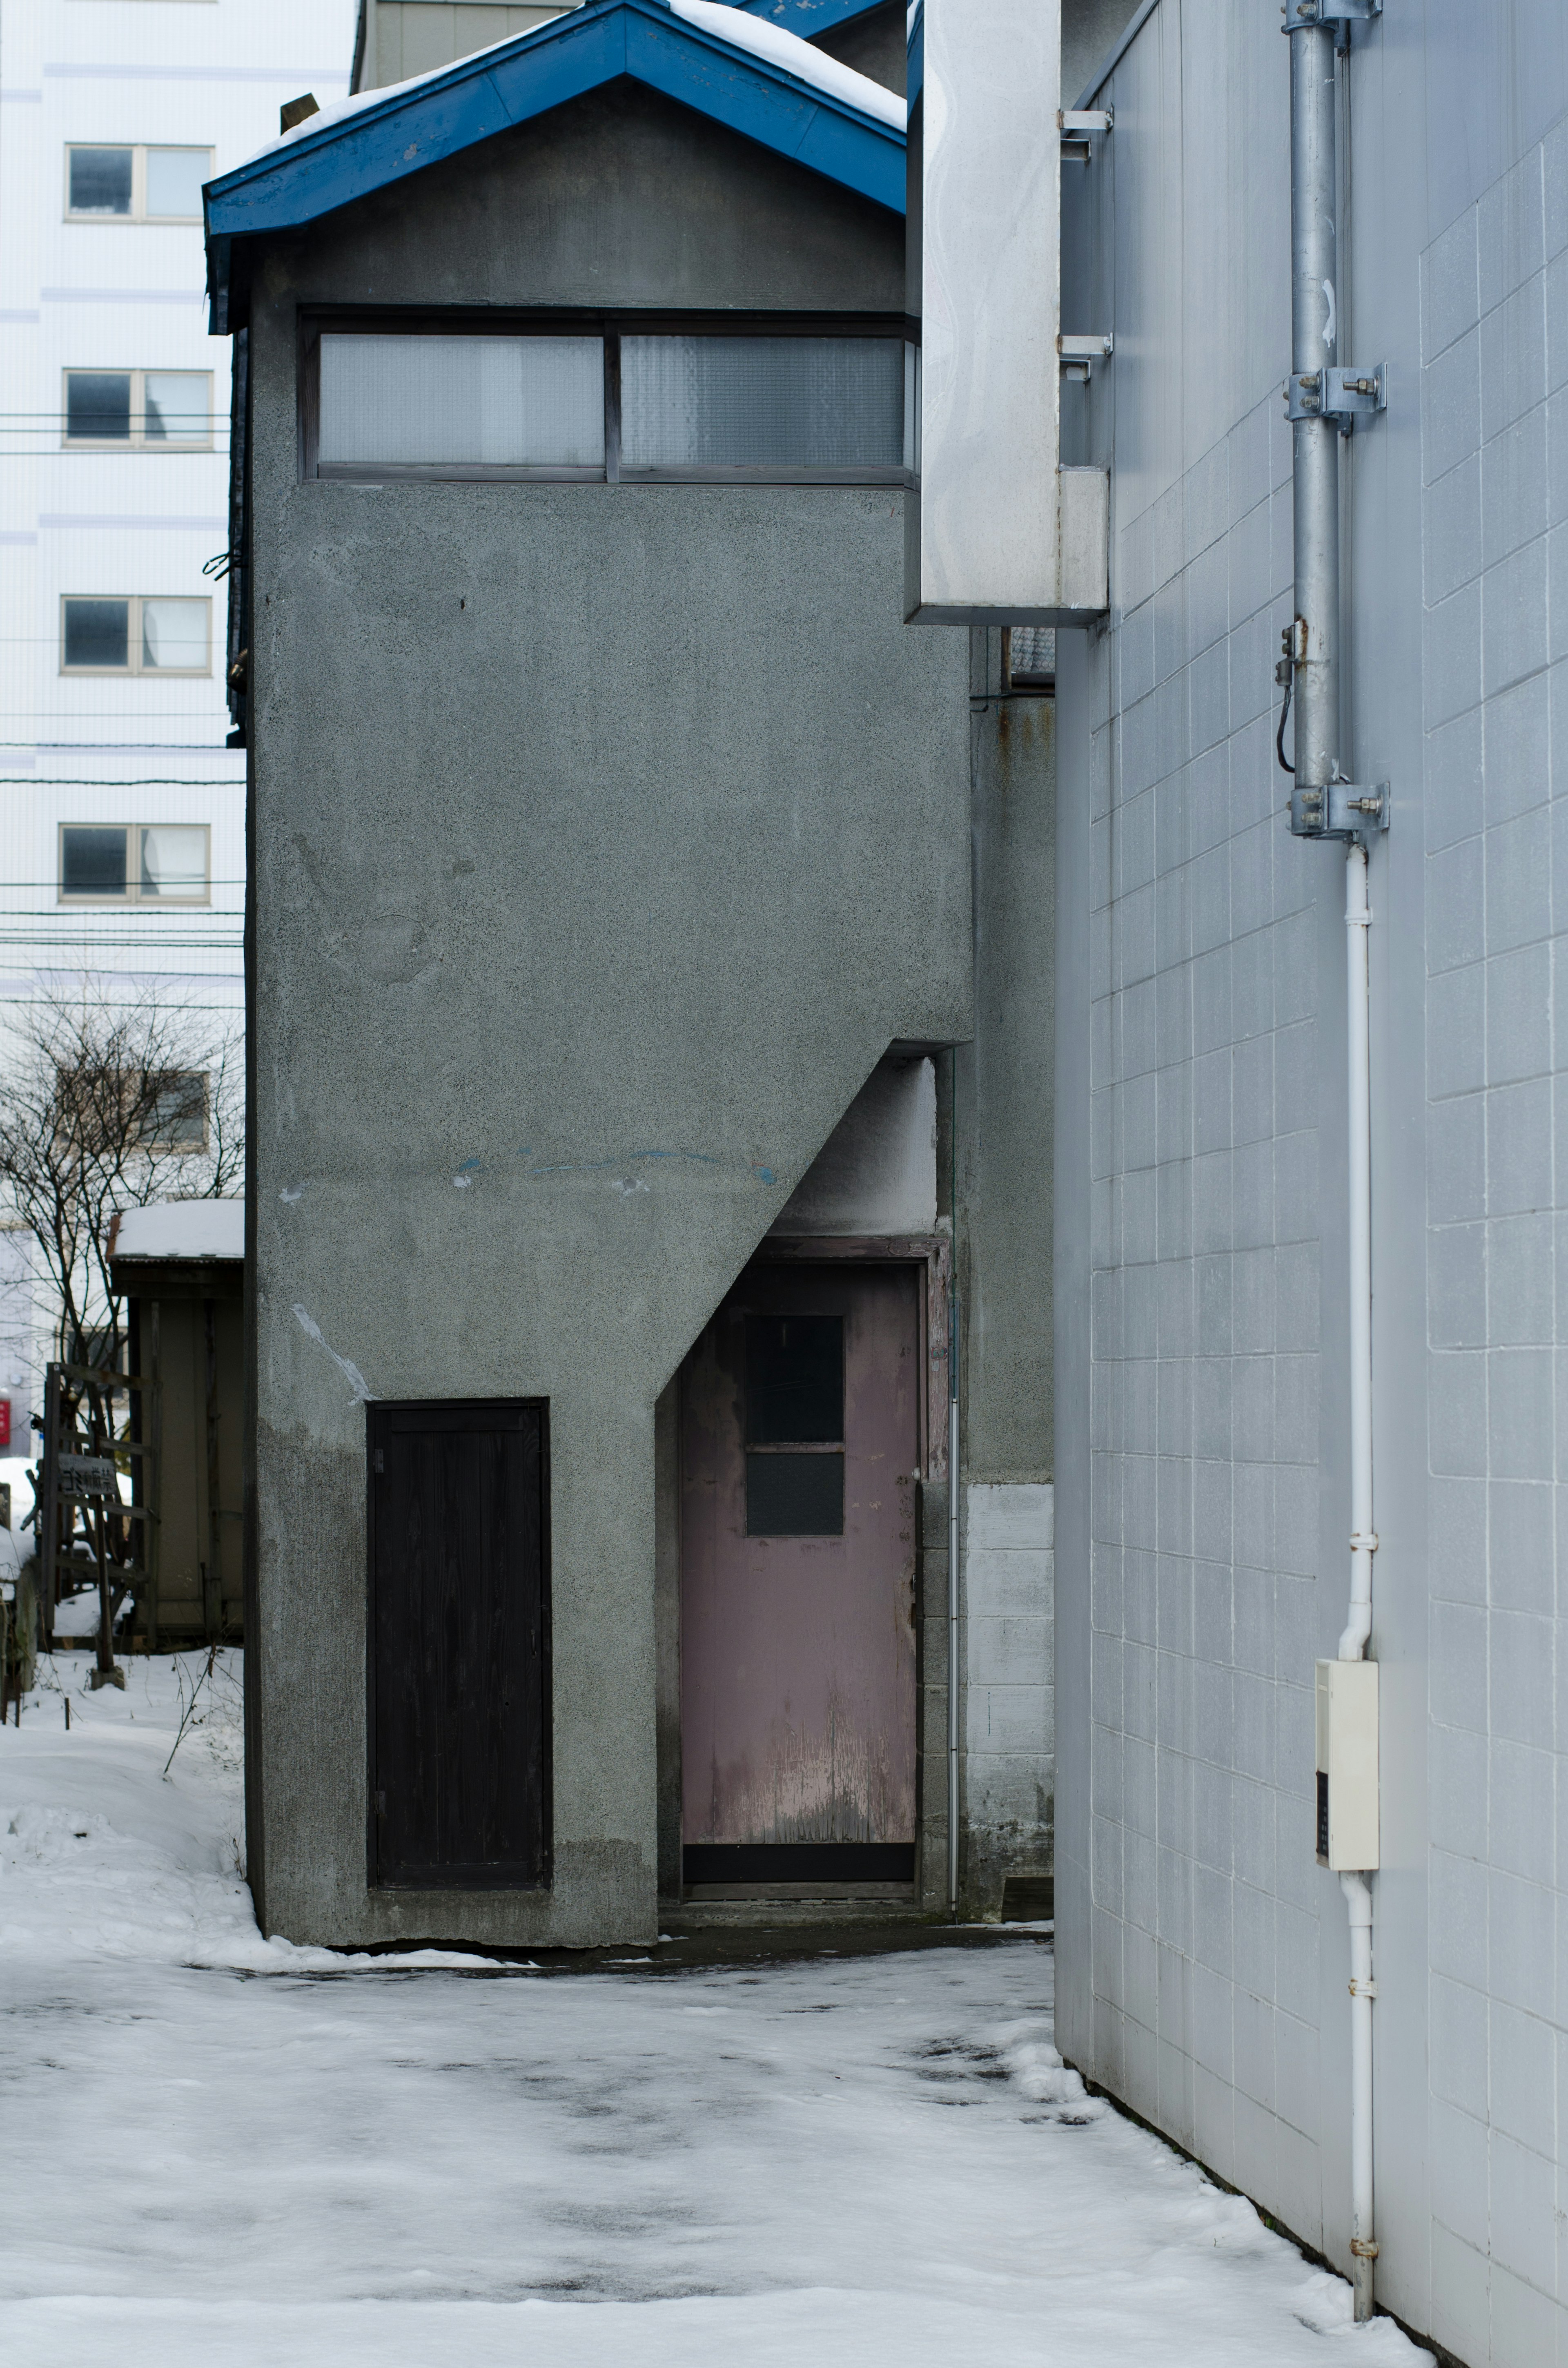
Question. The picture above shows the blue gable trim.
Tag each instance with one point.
(389, 139)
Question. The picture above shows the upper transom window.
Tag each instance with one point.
(812, 402)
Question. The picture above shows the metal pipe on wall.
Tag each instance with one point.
(1312, 653)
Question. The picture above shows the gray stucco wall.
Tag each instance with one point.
(605, 837)
(1201, 1341)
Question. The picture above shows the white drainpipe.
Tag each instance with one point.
(1357, 1887)
(1326, 398)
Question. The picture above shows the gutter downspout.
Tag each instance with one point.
(1311, 671)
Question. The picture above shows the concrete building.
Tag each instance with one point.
(613, 869)
(122, 812)
(1204, 1409)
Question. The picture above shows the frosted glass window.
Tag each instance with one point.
(100, 180)
(92, 861)
(175, 406)
(174, 862)
(98, 406)
(97, 634)
(488, 402)
(799, 402)
(174, 182)
(174, 636)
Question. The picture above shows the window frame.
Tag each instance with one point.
(138, 440)
(133, 665)
(133, 894)
(139, 152)
(611, 326)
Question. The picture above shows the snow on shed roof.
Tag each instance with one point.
(782, 48)
(179, 1229)
(722, 62)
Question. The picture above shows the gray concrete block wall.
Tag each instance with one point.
(1202, 1502)
(1495, 465)
(1009, 1776)
(1204, 1322)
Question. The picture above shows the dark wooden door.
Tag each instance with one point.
(459, 1711)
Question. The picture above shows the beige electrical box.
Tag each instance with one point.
(1347, 1764)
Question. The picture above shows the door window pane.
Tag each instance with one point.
(173, 860)
(100, 180)
(794, 1496)
(518, 402)
(174, 636)
(92, 861)
(805, 402)
(794, 1378)
(97, 632)
(175, 403)
(174, 181)
(97, 405)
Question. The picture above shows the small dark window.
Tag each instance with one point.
(100, 180)
(794, 1402)
(98, 406)
(97, 632)
(92, 861)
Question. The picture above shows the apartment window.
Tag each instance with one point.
(141, 634)
(175, 1115)
(806, 403)
(135, 184)
(133, 863)
(158, 411)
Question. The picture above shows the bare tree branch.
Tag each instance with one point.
(106, 1106)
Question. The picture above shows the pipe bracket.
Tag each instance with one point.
(1364, 2247)
(1363, 1990)
(1343, 396)
(1340, 810)
(1311, 16)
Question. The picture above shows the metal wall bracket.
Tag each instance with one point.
(1307, 16)
(1079, 355)
(1075, 124)
(1343, 396)
(1340, 810)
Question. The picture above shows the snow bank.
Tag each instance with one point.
(104, 1856)
(222, 2151)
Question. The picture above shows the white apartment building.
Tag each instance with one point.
(121, 808)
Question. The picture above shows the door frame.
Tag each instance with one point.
(933, 1255)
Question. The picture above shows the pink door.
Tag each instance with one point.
(800, 1434)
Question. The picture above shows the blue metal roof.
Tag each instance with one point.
(402, 130)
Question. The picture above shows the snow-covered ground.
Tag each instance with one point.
(220, 2151)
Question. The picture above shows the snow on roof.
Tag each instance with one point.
(796, 57)
(723, 17)
(180, 1229)
(325, 117)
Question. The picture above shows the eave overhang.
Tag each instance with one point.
(390, 138)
